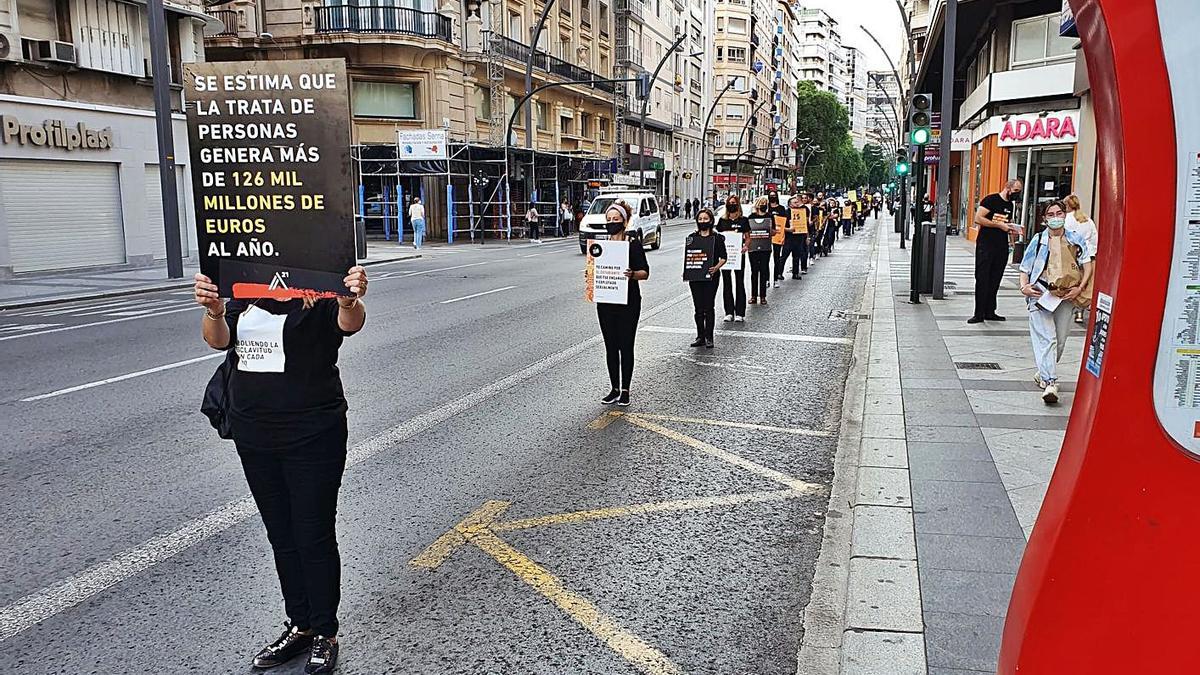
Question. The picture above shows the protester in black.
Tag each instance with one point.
(287, 412)
(797, 236)
(994, 218)
(760, 267)
(704, 293)
(735, 227)
(618, 323)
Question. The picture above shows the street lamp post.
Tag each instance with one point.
(704, 135)
(646, 105)
(166, 141)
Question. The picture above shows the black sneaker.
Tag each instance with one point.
(995, 317)
(323, 656)
(624, 400)
(698, 342)
(611, 398)
(975, 319)
(708, 344)
(289, 645)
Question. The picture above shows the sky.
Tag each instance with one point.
(879, 16)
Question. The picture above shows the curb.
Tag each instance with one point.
(138, 290)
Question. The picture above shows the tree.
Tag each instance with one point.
(878, 166)
(842, 166)
(820, 118)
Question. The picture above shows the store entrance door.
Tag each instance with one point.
(1048, 174)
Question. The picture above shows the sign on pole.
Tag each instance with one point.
(421, 143)
(271, 174)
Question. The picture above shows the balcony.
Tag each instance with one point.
(1044, 81)
(629, 55)
(632, 8)
(228, 18)
(517, 51)
(382, 19)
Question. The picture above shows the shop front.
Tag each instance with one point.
(79, 187)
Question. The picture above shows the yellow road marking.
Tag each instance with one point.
(629, 646)
(737, 425)
(444, 546)
(723, 455)
(603, 420)
(695, 503)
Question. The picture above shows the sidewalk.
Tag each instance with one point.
(944, 483)
(57, 287)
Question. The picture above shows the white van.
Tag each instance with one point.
(646, 221)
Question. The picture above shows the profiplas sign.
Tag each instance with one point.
(1039, 128)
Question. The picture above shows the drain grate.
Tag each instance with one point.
(842, 315)
(977, 365)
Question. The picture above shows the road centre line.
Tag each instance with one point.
(43, 604)
(607, 418)
(100, 323)
(122, 378)
(787, 337)
(476, 295)
(417, 273)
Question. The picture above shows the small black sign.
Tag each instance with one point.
(698, 254)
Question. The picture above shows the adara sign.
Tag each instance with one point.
(1037, 129)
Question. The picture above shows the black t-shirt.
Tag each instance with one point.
(739, 224)
(991, 236)
(637, 262)
(279, 409)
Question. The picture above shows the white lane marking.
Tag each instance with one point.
(47, 602)
(99, 323)
(786, 337)
(33, 326)
(122, 378)
(140, 307)
(75, 307)
(476, 295)
(440, 269)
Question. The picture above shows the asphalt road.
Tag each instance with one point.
(677, 538)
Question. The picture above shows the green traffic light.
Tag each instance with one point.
(920, 136)
(902, 169)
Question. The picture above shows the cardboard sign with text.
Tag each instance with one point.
(605, 281)
(270, 153)
(698, 254)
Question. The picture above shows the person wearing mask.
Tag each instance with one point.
(734, 226)
(687, 208)
(779, 247)
(760, 274)
(799, 217)
(848, 215)
(832, 220)
(704, 293)
(416, 216)
(1055, 269)
(1079, 223)
(618, 323)
(994, 218)
(287, 415)
(531, 224)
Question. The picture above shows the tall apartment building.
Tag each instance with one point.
(855, 97)
(884, 108)
(77, 133)
(693, 68)
(823, 61)
(743, 118)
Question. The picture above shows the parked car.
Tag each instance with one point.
(646, 221)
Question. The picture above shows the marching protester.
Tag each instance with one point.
(532, 218)
(779, 249)
(760, 274)
(1079, 223)
(735, 228)
(286, 413)
(831, 227)
(1055, 270)
(848, 210)
(993, 217)
(797, 237)
(416, 216)
(618, 323)
(704, 291)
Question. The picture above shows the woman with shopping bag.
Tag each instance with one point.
(1055, 270)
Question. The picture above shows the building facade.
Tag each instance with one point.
(77, 118)
(693, 69)
(855, 98)
(883, 109)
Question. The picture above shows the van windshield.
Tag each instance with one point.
(601, 204)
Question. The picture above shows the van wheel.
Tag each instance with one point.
(657, 240)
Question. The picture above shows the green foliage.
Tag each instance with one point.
(843, 166)
(879, 167)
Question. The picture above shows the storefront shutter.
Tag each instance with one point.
(154, 214)
(61, 214)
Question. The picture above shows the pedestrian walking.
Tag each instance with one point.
(531, 224)
(695, 206)
(779, 248)
(286, 411)
(993, 217)
(1055, 270)
(734, 226)
(760, 275)
(848, 214)
(704, 292)
(1079, 223)
(565, 216)
(618, 323)
(831, 227)
(687, 208)
(416, 216)
(799, 217)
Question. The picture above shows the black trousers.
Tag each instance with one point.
(760, 273)
(534, 229)
(704, 301)
(781, 254)
(733, 284)
(830, 235)
(798, 247)
(618, 325)
(296, 491)
(990, 262)
(847, 227)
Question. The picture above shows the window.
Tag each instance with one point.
(736, 54)
(384, 99)
(735, 111)
(720, 53)
(565, 126)
(1036, 41)
(603, 19)
(736, 26)
(564, 49)
(511, 106)
(514, 27)
(739, 83)
(720, 24)
(731, 138)
(542, 114)
(604, 129)
(585, 125)
(483, 104)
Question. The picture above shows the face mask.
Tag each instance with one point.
(1014, 196)
(703, 225)
(1056, 223)
(614, 227)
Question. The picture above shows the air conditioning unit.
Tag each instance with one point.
(51, 51)
(10, 47)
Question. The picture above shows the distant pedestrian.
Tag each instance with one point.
(695, 205)
(416, 216)
(687, 208)
(532, 219)
(284, 403)
(1079, 223)
(994, 218)
(735, 227)
(565, 216)
(1055, 269)
(704, 293)
(618, 323)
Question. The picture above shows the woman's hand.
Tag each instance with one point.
(356, 283)
(206, 294)
(713, 270)
(1072, 293)
(1031, 291)
(628, 273)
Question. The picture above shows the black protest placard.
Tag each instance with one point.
(270, 153)
(760, 234)
(698, 254)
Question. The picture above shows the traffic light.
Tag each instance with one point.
(918, 118)
(902, 165)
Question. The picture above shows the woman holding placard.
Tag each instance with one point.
(703, 256)
(735, 227)
(618, 323)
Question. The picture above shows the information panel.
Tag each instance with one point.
(270, 153)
